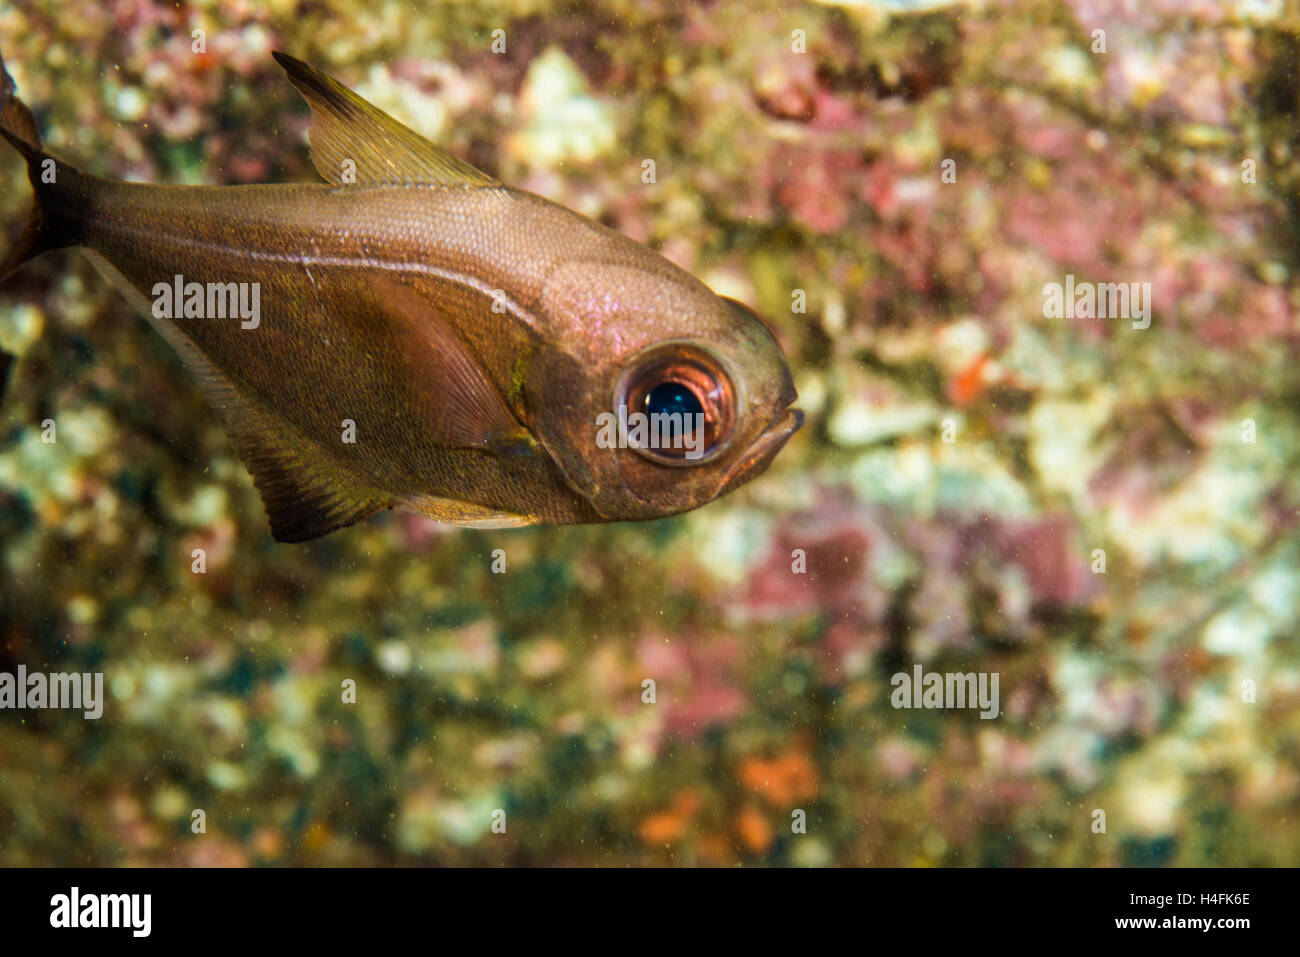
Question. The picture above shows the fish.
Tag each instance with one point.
(413, 334)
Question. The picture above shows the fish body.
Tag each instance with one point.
(421, 336)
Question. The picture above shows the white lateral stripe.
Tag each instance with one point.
(345, 262)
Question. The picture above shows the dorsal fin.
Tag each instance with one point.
(344, 127)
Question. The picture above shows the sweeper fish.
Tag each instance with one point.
(414, 334)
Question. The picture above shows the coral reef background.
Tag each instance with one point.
(1166, 157)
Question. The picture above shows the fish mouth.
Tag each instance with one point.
(760, 454)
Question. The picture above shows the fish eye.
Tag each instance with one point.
(685, 401)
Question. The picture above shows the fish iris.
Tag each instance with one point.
(685, 397)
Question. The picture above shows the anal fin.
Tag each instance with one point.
(304, 495)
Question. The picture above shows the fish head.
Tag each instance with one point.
(653, 344)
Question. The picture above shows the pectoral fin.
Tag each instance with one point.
(457, 403)
(350, 136)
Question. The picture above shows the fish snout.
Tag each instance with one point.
(760, 454)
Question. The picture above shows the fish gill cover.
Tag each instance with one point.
(1021, 591)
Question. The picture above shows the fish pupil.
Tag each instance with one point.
(674, 398)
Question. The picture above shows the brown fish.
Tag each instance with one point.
(417, 335)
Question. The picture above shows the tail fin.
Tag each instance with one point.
(18, 126)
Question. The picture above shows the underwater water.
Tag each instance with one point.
(1032, 265)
